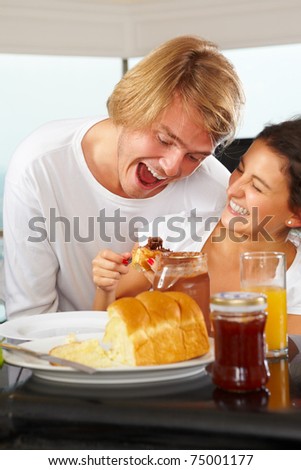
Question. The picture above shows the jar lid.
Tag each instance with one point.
(238, 301)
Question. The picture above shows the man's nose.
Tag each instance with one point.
(172, 162)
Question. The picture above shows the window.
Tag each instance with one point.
(271, 77)
(37, 89)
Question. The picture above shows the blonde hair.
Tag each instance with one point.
(191, 68)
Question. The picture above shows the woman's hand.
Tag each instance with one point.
(107, 269)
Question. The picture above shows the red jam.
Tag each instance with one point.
(240, 363)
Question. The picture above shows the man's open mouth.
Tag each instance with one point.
(147, 176)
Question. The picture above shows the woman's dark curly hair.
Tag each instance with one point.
(285, 139)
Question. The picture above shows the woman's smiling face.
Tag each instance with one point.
(258, 193)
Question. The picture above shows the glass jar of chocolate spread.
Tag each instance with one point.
(238, 320)
(185, 272)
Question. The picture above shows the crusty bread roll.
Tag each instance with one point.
(141, 254)
(156, 328)
(152, 328)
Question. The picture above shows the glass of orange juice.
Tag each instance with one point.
(265, 272)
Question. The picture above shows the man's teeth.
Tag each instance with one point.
(156, 174)
(238, 209)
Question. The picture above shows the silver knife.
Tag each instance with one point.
(49, 358)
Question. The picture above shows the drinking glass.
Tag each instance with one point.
(264, 271)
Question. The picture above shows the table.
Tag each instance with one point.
(184, 414)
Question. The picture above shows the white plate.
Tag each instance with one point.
(48, 325)
(122, 375)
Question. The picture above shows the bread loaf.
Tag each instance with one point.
(156, 328)
(152, 328)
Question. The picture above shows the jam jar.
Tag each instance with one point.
(186, 272)
(238, 320)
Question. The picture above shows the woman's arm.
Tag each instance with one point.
(294, 324)
(133, 283)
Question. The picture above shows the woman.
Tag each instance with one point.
(263, 205)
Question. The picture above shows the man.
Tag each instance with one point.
(77, 186)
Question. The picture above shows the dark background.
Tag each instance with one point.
(231, 155)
